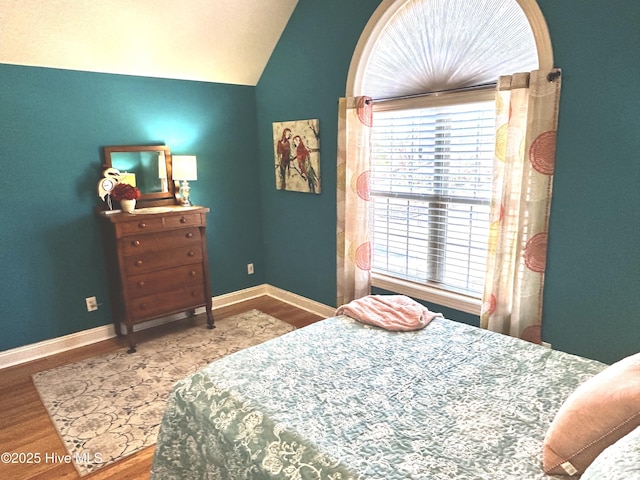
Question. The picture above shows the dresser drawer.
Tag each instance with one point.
(186, 220)
(153, 261)
(154, 223)
(163, 281)
(141, 225)
(143, 243)
(166, 303)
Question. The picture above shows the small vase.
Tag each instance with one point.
(128, 205)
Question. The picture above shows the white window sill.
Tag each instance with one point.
(428, 293)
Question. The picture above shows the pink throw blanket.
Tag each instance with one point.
(391, 312)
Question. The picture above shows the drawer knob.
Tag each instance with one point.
(143, 306)
(191, 253)
(189, 235)
(136, 243)
(141, 283)
(183, 220)
(142, 225)
(192, 273)
(138, 263)
(194, 293)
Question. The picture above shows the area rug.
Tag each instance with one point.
(108, 407)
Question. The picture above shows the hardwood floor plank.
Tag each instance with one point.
(25, 426)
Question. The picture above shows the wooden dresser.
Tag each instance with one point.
(157, 263)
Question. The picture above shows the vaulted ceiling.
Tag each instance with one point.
(226, 41)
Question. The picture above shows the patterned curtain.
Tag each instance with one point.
(354, 170)
(526, 125)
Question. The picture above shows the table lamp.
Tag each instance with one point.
(185, 168)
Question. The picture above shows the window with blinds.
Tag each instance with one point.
(431, 189)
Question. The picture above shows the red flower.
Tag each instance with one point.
(124, 191)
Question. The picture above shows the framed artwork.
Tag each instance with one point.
(296, 148)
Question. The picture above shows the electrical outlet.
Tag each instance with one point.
(250, 268)
(92, 304)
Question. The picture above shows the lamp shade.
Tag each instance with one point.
(185, 167)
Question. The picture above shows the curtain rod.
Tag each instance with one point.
(482, 86)
(551, 77)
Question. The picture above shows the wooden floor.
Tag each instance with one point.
(25, 427)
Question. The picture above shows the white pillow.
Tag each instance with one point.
(619, 461)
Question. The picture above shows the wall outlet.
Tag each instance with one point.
(92, 304)
(250, 268)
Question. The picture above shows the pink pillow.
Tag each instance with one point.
(598, 413)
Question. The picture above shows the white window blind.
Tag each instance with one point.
(431, 190)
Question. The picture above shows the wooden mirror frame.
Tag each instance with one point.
(148, 199)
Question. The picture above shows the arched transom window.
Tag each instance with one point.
(417, 46)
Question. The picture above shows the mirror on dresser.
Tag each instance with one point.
(149, 166)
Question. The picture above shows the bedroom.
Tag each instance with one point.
(51, 119)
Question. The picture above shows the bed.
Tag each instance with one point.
(343, 400)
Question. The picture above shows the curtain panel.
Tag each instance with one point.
(526, 126)
(355, 116)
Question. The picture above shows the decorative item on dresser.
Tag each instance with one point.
(185, 168)
(156, 254)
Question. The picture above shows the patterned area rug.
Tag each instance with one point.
(108, 407)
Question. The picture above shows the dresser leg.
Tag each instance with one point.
(210, 323)
(132, 340)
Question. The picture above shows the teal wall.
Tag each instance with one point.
(53, 124)
(591, 300)
(592, 293)
(304, 78)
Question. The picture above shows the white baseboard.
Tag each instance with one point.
(301, 302)
(271, 291)
(38, 350)
(45, 348)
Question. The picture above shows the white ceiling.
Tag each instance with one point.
(226, 41)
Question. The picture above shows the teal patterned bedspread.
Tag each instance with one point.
(339, 400)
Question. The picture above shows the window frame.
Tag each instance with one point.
(431, 292)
